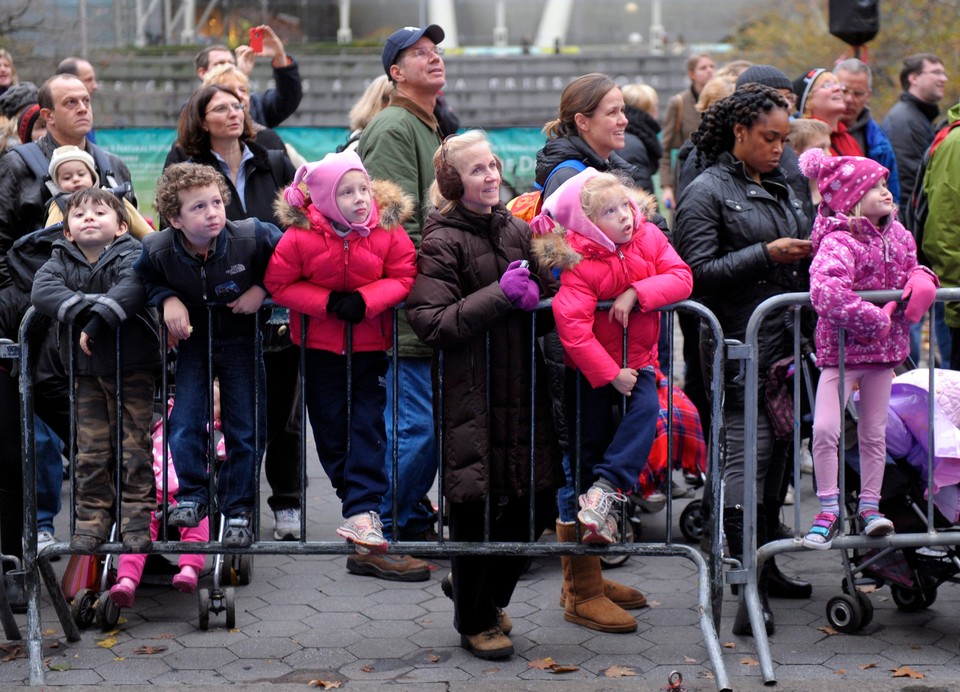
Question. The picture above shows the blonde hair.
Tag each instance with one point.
(734, 69)
(719, 87)
(222, 72)
(448, 156)
(5, 55)
(803, 130)
(373, 100)
(641, 96)
(597, 190)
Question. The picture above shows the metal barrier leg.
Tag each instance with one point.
(60, 606)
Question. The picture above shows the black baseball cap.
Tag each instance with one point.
(401, 39)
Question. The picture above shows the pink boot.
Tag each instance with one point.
(122, 592)
(186, 580)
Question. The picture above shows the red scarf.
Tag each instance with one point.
(842, 142)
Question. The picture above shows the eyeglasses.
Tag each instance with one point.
(424, 52)
(225, 108)
(831, 86)
(855, 93)
(936, 73)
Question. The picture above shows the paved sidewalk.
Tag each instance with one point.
(305, 618)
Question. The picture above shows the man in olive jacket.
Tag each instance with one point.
(398, 145)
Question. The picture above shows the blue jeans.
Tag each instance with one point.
(353, 458)
(235, 363)
(49, 460)
(417, 450)
(614, 452)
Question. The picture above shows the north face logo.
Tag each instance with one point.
(236, 269)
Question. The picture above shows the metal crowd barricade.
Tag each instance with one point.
(753, 558)
(709, 570)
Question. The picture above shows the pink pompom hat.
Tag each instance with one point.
(842, 180)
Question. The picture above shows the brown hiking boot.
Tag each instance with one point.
(488, 645)
(389, 567)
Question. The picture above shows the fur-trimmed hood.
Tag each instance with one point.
(394, 205)
(554, 249)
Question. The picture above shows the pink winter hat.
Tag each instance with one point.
(563, 207)
(842, 180)
(322, 178)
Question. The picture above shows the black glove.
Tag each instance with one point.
(334, 302)
(353, 308)
(96, 327)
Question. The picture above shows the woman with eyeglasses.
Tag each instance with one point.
(820, 95)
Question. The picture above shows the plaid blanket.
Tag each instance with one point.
(689, 447)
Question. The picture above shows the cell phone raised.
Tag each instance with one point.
(256, 39)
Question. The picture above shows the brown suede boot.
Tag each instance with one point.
(586, 602)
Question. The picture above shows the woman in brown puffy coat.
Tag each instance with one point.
(470, 286)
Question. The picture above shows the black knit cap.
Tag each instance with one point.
(768, 75)
(17, 97)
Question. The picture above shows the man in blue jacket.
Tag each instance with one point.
(857, 81)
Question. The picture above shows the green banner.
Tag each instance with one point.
(144, 151)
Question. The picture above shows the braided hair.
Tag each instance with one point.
(744, 106)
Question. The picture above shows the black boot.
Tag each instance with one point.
(779, 585)
(733, 528)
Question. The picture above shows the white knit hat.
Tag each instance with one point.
(71, 153)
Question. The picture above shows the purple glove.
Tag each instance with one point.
(920, 292)
(518, 288)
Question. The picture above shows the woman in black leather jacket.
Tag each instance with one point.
(744, 235)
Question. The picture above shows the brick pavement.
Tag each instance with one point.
(306, 618)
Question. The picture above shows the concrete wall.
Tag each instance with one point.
(487, 91)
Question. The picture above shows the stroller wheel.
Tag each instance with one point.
(911, 600)
(230, 604)
(203, 604)
(844, 613)
(108, 612)
(245, 571)
(83, 609)
(691, 521)
(866, 607)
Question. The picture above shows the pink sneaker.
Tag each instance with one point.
(122, 593)
(186, 580)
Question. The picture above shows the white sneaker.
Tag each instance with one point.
(365, 531)
(286, 524)
(45, 538)
(790, 497)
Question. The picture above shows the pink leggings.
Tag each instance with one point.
(131, 564)
(828, 420)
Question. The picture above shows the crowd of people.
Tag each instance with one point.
(410, 210)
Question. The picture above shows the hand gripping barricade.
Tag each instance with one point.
(912, 574)
(235, 564)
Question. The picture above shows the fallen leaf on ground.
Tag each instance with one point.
(705, 675)
(915, 647)
(60, 666)
(867, 666)
(729, 645)
(906, 672)
(433, 658)
(149, 650)
(827, 630)
(653, 604)
(840, 671)
(13, 652)
(563, 669)
(48, 632)
(689, 659)
(325, 684)
(542, 663)
(747, 661)
(619, 672)
(119, 658)
(108, 642)
(164, 636)
(491, 671)
(367, 668)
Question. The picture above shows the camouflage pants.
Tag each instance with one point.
(97, 420)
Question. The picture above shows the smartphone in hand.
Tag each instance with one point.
(256, 39)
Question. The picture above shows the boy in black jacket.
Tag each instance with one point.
(89, 284)
(205, 262)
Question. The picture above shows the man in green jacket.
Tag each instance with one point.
(941, 233)
(398, 145)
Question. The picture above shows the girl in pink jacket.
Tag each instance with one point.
(858, 245)
(343, 263)
(609, 251)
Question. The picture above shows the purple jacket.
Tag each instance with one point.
(869, 259)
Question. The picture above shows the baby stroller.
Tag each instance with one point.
(689, 455)
(913, 574)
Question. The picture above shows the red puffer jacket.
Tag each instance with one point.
(591, 273)
(311, 261)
